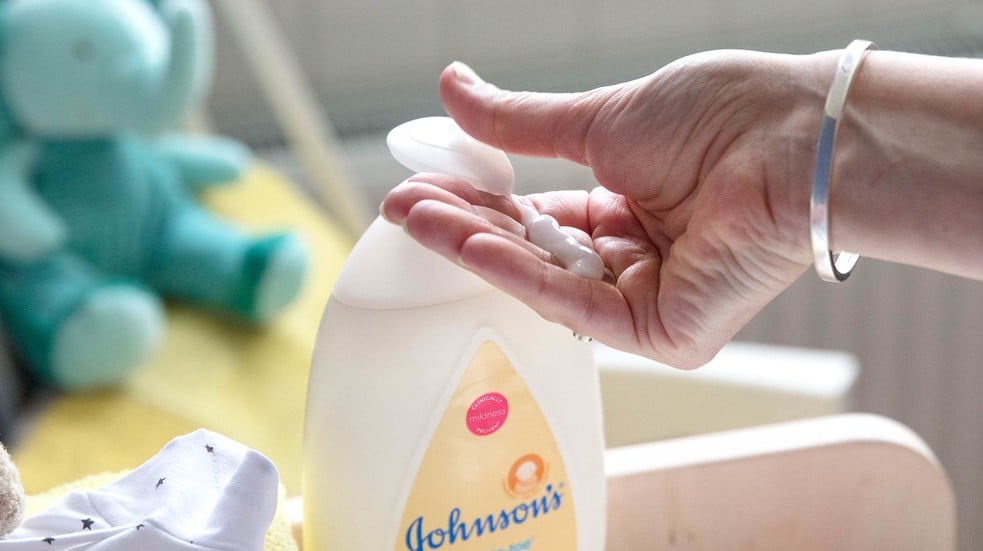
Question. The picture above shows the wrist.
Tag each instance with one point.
(792, 162)
(906, 179)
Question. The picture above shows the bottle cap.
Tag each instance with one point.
(438, 144)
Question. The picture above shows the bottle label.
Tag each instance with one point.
(492, 477)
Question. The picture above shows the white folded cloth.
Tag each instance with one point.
(203, 491)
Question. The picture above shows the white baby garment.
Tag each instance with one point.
(203, 491)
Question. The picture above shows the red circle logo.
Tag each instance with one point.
(487, 414)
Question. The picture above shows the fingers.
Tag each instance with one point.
(439, 187)
(442, 214)
(528, 123)
(586, 306)
(480, 231)
(569, 208)
(454, 192)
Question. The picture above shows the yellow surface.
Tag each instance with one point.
(212, 371)
(279, 536)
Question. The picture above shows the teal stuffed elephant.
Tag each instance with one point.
(98, 215)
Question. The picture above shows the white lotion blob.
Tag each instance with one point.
(438, 144)
(544, 231)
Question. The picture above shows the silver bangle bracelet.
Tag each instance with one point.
(832, 266)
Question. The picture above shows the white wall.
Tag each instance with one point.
(374, 63)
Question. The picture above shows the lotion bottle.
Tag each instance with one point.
(443, 413)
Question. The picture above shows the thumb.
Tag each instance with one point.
(528, 123)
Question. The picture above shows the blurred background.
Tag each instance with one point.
(372, 65)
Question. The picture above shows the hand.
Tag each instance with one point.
(702, 217)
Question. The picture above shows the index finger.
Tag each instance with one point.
(568, 207)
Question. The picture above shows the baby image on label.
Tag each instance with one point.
(526, 476)
(487, 414)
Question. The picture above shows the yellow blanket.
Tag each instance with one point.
(212, 371)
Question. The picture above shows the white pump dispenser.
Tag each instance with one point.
(442, 413)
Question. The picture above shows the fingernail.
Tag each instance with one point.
(465, 74)
(382, 213)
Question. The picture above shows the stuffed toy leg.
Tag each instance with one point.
(207, 261)
(75, 325)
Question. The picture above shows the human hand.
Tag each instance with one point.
(702, 217)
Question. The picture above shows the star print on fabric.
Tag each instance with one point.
(87, 523)
(209, 448)
(49, 540)
(160, 482)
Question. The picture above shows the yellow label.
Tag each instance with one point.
(492, 478)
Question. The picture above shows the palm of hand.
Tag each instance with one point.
(685, 221)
